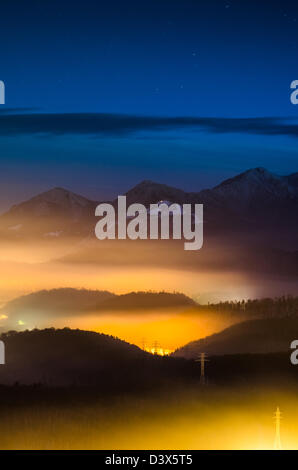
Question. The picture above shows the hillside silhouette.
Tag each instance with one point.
(57, 301)
(70, 358)
(254, 336)
(73, 302)
(264, 308)
(147, 300)
(66, 357)
(88, 363)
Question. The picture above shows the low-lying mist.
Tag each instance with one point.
(205, 419)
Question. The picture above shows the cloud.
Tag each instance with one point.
(17, 110)
(99, 124)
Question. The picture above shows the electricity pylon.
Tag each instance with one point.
(155, 347)
(202, 360)
(277, 417)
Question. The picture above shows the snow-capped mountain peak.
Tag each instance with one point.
(253, 198)
(256, 186)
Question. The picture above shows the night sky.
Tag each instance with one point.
(101, 95)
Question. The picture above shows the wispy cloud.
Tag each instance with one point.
(22, 122)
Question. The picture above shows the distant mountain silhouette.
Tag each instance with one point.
(255, 336)
(53, 202)
(255, 198)
(147, 192)
(52, 214)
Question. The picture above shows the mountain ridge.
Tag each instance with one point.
(255, 197)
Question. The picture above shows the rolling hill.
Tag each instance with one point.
(147, 300)
(55, 303)
(66, 357)
(57, 300)
(84, 360)
(76, 358)
(261, 336)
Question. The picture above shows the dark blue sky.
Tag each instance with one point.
(99, 68)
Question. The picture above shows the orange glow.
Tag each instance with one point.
(159, 351)
(167, 328)
(214, 419)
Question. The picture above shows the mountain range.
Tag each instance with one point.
(256, 199)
